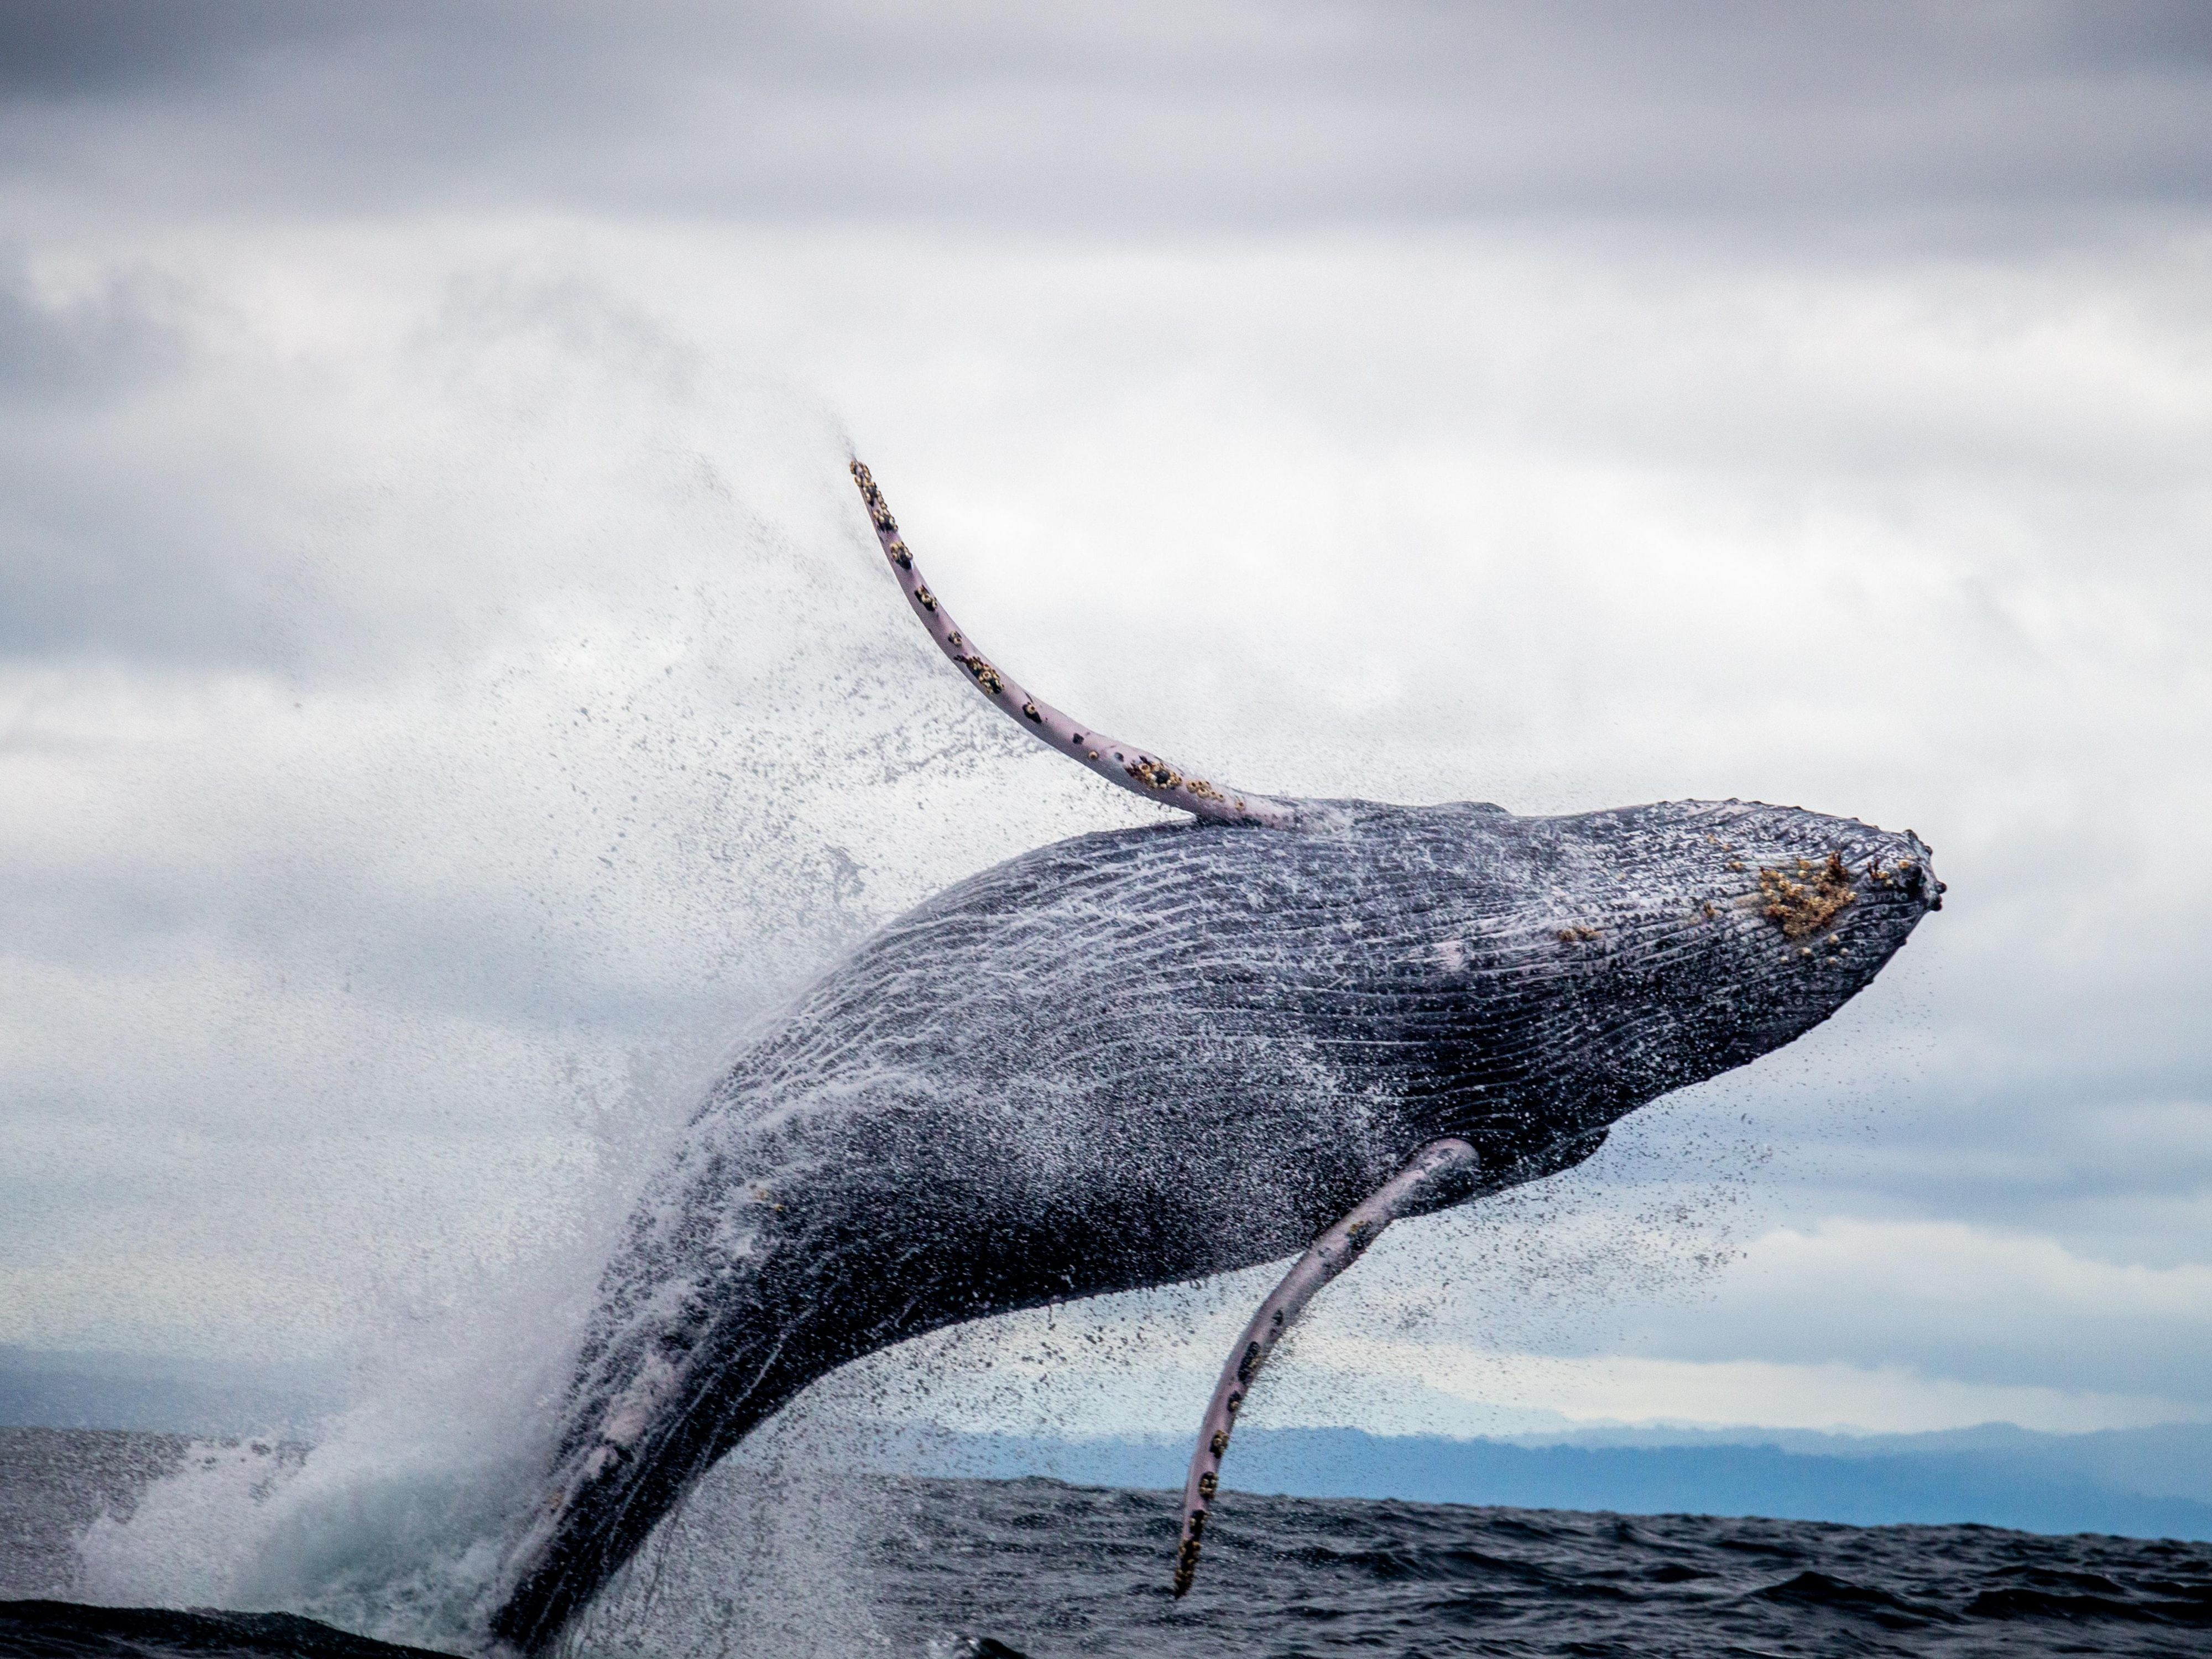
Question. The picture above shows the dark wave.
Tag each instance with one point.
(1817, 1590)
(67, 1630)
(1035, 1570)
(1046, 1570)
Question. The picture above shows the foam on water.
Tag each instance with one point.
(389, 1524)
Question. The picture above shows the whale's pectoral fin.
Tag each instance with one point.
(1123, 764)
(1426, 1179)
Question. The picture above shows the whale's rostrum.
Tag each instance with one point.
(1152, 1055)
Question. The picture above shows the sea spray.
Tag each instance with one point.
(581, 736)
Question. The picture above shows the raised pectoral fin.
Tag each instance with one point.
(1124, 765)
(1413, 1188)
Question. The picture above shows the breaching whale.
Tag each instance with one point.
(1150, 1055)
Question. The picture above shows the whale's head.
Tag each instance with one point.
(1789, 912)
(1584, 965)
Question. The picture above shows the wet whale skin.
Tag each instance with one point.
(1152, 1055)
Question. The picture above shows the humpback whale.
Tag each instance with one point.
(1150, 1055)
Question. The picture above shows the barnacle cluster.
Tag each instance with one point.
(1809, 900)
(878, 511)
(879, 514)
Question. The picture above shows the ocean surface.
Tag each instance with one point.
(945, 1568)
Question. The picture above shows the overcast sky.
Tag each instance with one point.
(447, 689)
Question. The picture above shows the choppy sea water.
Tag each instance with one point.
(975, 1568)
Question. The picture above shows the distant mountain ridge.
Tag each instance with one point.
(2150, 1482)
(2121, 1481)
(42, 1389)
(2170, 1459)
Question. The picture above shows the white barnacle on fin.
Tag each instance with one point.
(1148, 776)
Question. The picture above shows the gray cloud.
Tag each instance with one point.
(445, 689)
(52, 50)
(64, 351)
(2011, 119)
